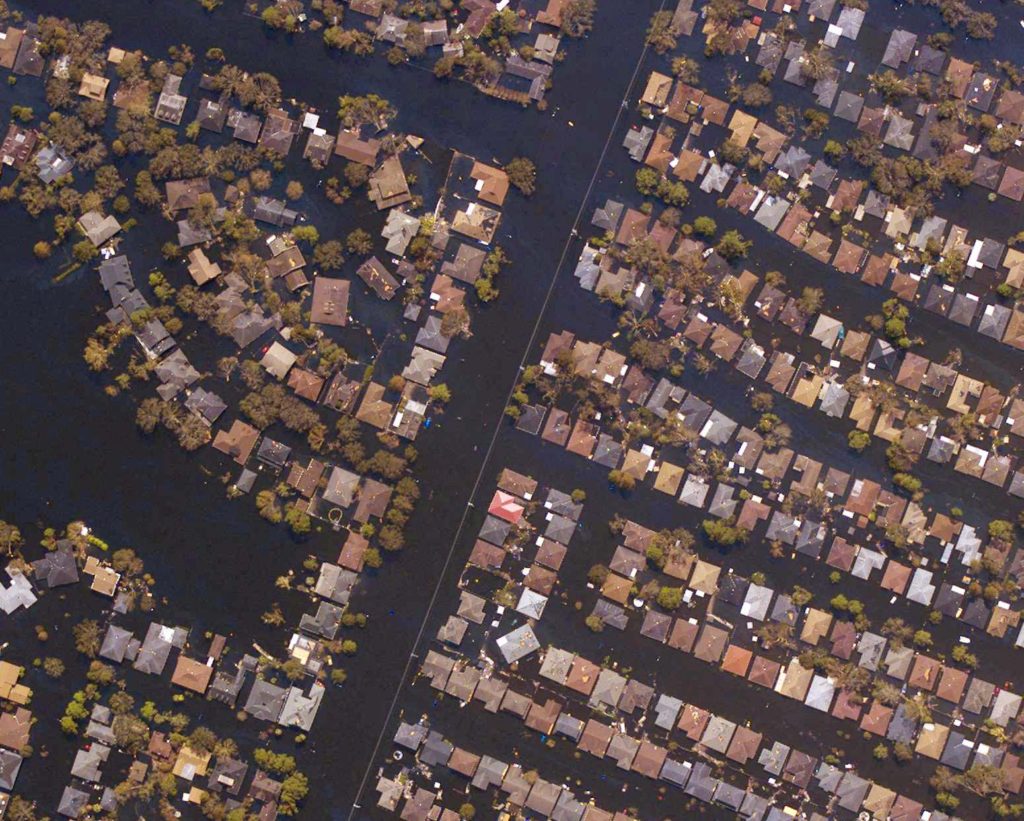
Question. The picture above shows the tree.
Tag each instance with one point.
(268, 507)
(951, 267)
(907, 482)
(356, 174)
(621, 480)
(670, 597)
(732, 246)
(121, 703)
(800, 596)
(99, 673)
(810, 301)
(756, 95)
(359, 242)
(278, 763)
(84, 251)
(661, 34)
(148, 414)
(858, 440)
(298, 520)
(353, 40)
(42, 250)
(440, 393)
(329, 255)
(444, 67)
(306, 233)
(1001, 530)
(87, 637)
(647, 181)
(10, 537)
(891, 86)
(982, 779)
(724, 532)
(485, 290)
(369, 110)
(53, 667)
(276, 17)
(725, 12)
(294, 789)
(293, 190)
(21, 810)
(705, 227)
(816, 64)
(598, 575)
(686, 69)
(391, 538)
(522, 173)
(578, 17)
(96, 354)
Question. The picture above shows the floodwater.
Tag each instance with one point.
(73, 453)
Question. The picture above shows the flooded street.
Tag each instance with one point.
(80, 454)
(74, 453)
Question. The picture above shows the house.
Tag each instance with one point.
(155, 649)
(273, 211)
(200, 267)
(374, 409)
(373, 501)
(319, 147)
(278, 132)
(192, 675)
(10, 41)
(300, 710)
(476, 221)
(237, 442)
(246, 126)
(97, 228)
(399, 230)
(288, 260)
(341, 487)
(387, 186)
(183, 194)
(93, 87)
(278, 360)
(72, 802)
(228, 775)
(273, 454)
(58, 567)
(18, 145)
(657, 91)
(306, 479)
(30, 61)
(52, 163)
(104, 578)
(491, 183)
(191, 763)
(378, 278)
(212, 115)
(170, 106)
(305, 383)
(351, 147)
(467, 264)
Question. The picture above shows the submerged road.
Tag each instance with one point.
(154, 497)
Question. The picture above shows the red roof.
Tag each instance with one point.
(506, 506)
